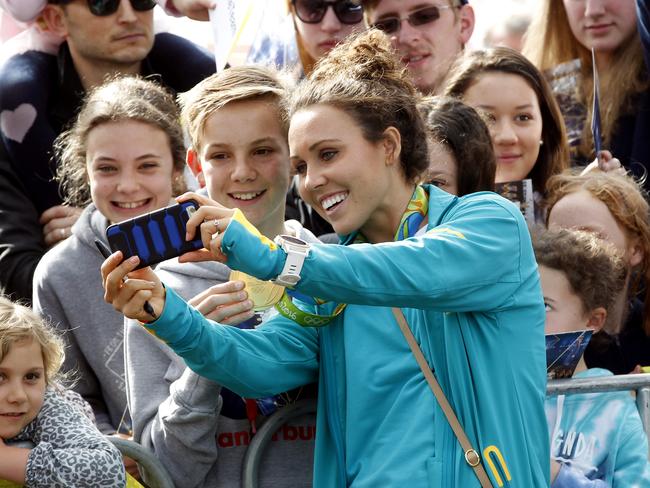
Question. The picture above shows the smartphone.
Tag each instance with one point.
(156, 236)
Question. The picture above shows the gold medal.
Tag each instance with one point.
(264, 294)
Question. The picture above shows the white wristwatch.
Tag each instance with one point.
(297, 250)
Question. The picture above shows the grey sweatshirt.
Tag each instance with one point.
(68, 292)
(177, 413)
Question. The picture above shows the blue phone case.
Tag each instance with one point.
(156, 236)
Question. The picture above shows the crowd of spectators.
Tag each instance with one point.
(369, 163)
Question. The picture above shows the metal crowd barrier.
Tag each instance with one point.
(640, 383)
(259, 442)
(153, 472)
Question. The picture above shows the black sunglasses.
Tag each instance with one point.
(312, 11)
(103, 8)
(423, 16)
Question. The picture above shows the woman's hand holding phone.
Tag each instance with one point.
(128, 290)
(245, 249)
(210, 220)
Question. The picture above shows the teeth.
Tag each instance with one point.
(333, 200)
(130, 204)
(246, 196)
(415, 59)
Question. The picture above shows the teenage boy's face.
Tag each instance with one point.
(564, 310)
(22, 387)
(244, 158)
(427, 50)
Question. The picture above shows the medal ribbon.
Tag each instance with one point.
(416, 212)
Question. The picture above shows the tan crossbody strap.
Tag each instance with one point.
(471, 456)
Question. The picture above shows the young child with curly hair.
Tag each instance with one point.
(597, 439)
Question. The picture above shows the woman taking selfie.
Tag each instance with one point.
(357, 144)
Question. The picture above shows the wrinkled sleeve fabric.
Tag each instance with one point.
(632, 467)
(285, 352)
(175, 412)
(21, 236)
(471, 262)
(26, 82)
(70, 451)
(47, 303)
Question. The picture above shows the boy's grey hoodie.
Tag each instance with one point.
(68, 291)
(177, 413)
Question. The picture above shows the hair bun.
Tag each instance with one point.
(367, 55)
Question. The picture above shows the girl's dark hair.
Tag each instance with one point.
(461, 129)
(122, 99)
(364, 78)
(553, 155)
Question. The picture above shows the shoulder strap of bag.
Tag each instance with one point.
(471, 456)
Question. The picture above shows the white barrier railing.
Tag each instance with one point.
(640, 383)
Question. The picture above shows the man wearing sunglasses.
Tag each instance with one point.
(428, 34)
(39, 96)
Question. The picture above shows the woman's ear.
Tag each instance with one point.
(194, 163)
(597, 318)
(392, 142)
(635, 252)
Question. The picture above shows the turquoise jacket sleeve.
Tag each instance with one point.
(286, 353)
(473, 261)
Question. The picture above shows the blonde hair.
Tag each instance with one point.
(626, 201)
(122, 99)
(238, 83)
(550, 42)
(19, 323)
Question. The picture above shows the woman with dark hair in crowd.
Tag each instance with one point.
(525, 122)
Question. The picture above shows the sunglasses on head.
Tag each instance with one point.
(423, 16)
(313, 11)
(102, 8)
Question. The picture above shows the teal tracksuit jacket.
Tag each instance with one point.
(470, 291)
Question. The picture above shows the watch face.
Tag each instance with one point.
(293, 240)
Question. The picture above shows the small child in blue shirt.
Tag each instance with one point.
(597, 439)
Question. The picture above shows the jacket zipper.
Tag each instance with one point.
(332, 405)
